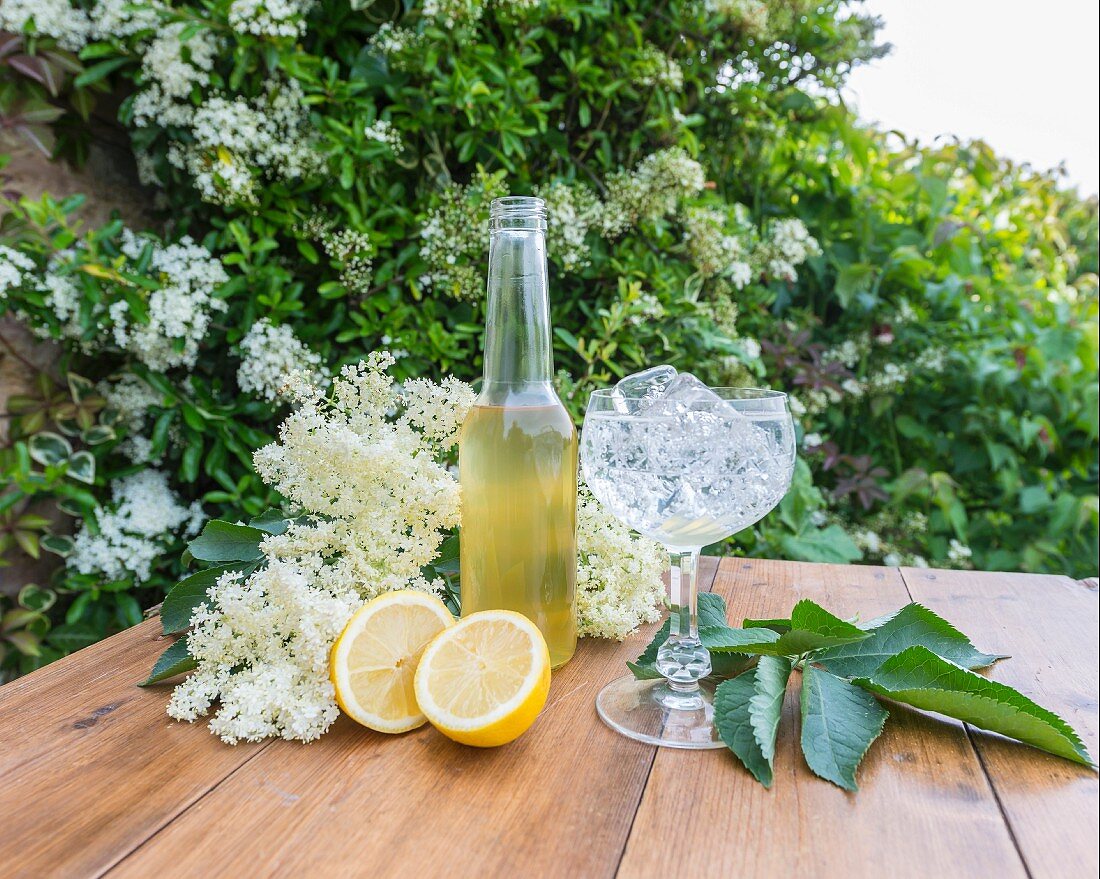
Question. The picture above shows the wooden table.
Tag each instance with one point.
(95, 778)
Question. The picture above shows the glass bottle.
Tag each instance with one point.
(518, 446)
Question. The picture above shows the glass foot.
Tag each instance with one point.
(654, 713)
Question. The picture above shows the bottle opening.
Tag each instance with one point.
(518, 212)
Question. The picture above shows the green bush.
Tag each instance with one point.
(713, 205)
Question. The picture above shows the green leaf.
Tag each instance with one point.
(82, 467)
(271, 521)
(832, 545)
(725, 639)
(911, 626)
(49, 448)
(182, 599)
(839, 723)
(813, 628)
(918, 677)
(173, 661)
(225, 542)
(747, 710)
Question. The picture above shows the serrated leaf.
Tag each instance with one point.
(182, 599)
(225, 542)
(920, 678)
(725, 639)
(839, 723)
(747, 711)
(814, 628)
(913, 625)
(173, 661)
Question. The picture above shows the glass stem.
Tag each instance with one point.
(682, 659)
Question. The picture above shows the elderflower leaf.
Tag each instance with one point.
(839, 723)
(920, 678)
(913, 625)
(174, 661)
(225, 542)
(747, 709)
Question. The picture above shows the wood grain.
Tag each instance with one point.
(91, 766)
(1049, 625)
(925, 808)
(557, 802)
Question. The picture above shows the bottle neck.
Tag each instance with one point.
(517, 321)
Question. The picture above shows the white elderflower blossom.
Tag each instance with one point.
(750, 15)
(16, 270)
(270, 18)
(654, 68)
(143, 519)
(232, 137)
(891, 377)
(354, 251)
(51, 18)
(269, 355)
(172, 68)
(619, 584)
(179, 311)
(572, 211)
(450, 13)
(958, 553)
(850, 351)
(398, 45)
(787, 244)
(382, 131)
(653, 189)
(123, 18)
(931, 360)
(131, 398)
(452, 239)
(714, 251)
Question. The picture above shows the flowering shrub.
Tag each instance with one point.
(324, 168)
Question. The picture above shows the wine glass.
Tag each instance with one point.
(687, 470)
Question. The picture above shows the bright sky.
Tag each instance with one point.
(1020, 75)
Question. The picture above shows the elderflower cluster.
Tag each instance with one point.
(787, 243)
(171, 69)
(123, 18)
(143, 519)
(751, 16)
(378, 500)
(572, 211)
(714, 250)
(653, 189)
(383, 131)
(959, 554)
(232, 140)
(619, 583)
(354, 252)
(452, 239)
(451, 13)
(16, 270)
(52, 18)
(179, 311)
(398, 45)
(270, 355)
(130, 399)
(654, 68)
(270, 18)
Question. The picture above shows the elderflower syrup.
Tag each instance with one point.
(518, 447)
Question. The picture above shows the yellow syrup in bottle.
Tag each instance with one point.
(518, 468)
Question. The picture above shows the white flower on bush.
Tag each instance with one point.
(787, 244)
(143, 519)
(572, 211)
(653, 189)
(270, 18)
(714, 250)
(131, 398)
(269, 355)
(382, 131)
(16, 270)
(654, 68)
(958, 553)
(52, 18)
(172, 68)
(179, 311)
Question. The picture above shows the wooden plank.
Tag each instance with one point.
(1049, 625)
(557, 802)
(925, 807)
(91, 764)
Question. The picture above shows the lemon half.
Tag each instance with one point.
(373, 662)
(484, 680)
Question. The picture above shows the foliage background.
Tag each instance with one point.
(941, 342)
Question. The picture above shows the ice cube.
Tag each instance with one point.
(685, 394)
(641, 389)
